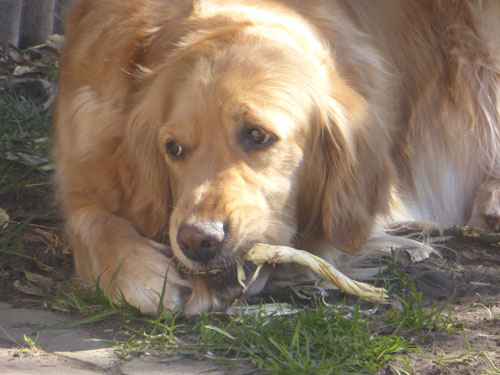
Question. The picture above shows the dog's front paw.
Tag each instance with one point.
(150, 281)
(486, 208)
(141, 275)
(145, 279)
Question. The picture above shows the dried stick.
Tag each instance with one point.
(263, 253)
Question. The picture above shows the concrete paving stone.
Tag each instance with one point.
(157, 366)
(17, 322)
(15, 362)
(66, 351)
(104, 358)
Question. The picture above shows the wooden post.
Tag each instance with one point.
(37, 22)
(10, 18)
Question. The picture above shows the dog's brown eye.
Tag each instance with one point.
(174, 150)
(259, 137)
(256, 138)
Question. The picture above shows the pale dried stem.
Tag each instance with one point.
(263, 253)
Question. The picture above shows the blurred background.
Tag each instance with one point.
(26, 23)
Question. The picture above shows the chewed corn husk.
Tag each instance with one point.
(263, 253)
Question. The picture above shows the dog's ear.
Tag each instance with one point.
(143, 172)
(357, 171)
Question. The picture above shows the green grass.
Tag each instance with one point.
(495, 369)
(23, 137)
(23, 160)
(10, 243)
(14, 176)
(22, 123)
(316, 340)
(410, 313)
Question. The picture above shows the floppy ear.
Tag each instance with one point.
(357, 168)
(143, 172)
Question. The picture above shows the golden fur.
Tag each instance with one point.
(373, 112)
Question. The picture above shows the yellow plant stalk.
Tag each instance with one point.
(263, 253)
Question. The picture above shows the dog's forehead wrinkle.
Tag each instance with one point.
(233, 91)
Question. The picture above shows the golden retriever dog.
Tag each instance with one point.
(188, 130)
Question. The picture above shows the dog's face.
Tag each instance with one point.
(233, 143)
(248, 145)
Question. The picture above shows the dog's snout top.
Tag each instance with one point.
(201, 242)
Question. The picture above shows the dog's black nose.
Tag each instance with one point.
(201, 241)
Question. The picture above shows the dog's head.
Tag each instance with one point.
(249, 135)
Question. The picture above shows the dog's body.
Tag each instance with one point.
(214, 124)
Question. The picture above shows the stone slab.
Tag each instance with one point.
(17, 322)
(15, 362)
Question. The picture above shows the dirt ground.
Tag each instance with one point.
(469, 270)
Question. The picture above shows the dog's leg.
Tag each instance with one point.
(486, 207)
(108, 249)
